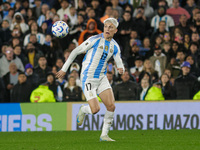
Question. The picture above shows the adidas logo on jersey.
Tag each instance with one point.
(101, 47)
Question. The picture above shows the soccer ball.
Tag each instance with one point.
(60, 29)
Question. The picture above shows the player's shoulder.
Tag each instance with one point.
(95, 37)
(115, 43)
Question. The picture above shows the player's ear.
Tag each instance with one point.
(116, 30)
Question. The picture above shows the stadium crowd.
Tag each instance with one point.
(159, 41)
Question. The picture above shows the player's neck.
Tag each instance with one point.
(108, 39)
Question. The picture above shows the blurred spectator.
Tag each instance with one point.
(134, 52)
(66, 54)
(72, 92)
(115, 14)
(48, 40)
(124, 29)
(167, 37)
(34, 29)
(22, 90)
(32, 77)
(109, 75)
(194, 70)
(28, 15)
(162, 16)
(158, 41)
(32, 54)
(104, 4)
(59, 63)
(25, 4)
(6, 59)
(148, 10)
(81, 6)
(127, 90)
(5, 7)
(90, 30)
(53, 52)
(61, 81)
(174, 49)
(168, 72)
(146, 45)
(159, 60)
(115, 5)
(64, 10)
(140, 23)
(72, 16)
(176, 11)
(143, 89)
(155, 93)
(54, 86)
(76, 30)
(5, 33)
(148, 68)
(10, 15)
(135, 71)
(19, 20)
(44, 27)
(197, 21)
(185, 85)
(166, 86)
(183, 24)
(159, 32)
(37, 9)
(15, 41)
(186, 41)
(95, 5)
(75, 73)
(190, 6)
(18, 52)
(17, 33)
(42, 17)
(166, 51)
(91, 15)
(195, 53)
(55, 69)
(192, 18)
(42, 94)
(175, 66)
(2, 91)
(107, 14)
(10, 79)
(195, 37)
(42, 69)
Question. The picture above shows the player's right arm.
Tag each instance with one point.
(78, 50)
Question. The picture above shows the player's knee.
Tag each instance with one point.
(95, 110)
(111, 107)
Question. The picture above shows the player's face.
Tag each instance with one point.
(109, 30)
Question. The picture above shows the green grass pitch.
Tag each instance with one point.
(89, 140)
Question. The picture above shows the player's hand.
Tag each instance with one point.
(60, 74)
(120, 70)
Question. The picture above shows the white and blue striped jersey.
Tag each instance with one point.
(98, 52)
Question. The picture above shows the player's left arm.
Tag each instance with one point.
(78, 50)
(118, 60)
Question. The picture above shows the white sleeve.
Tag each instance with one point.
(86, 45)
(117, 58)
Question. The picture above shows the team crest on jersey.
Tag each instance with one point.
(101, 47)
(111, 50)
(90, 93)
(106, 48)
